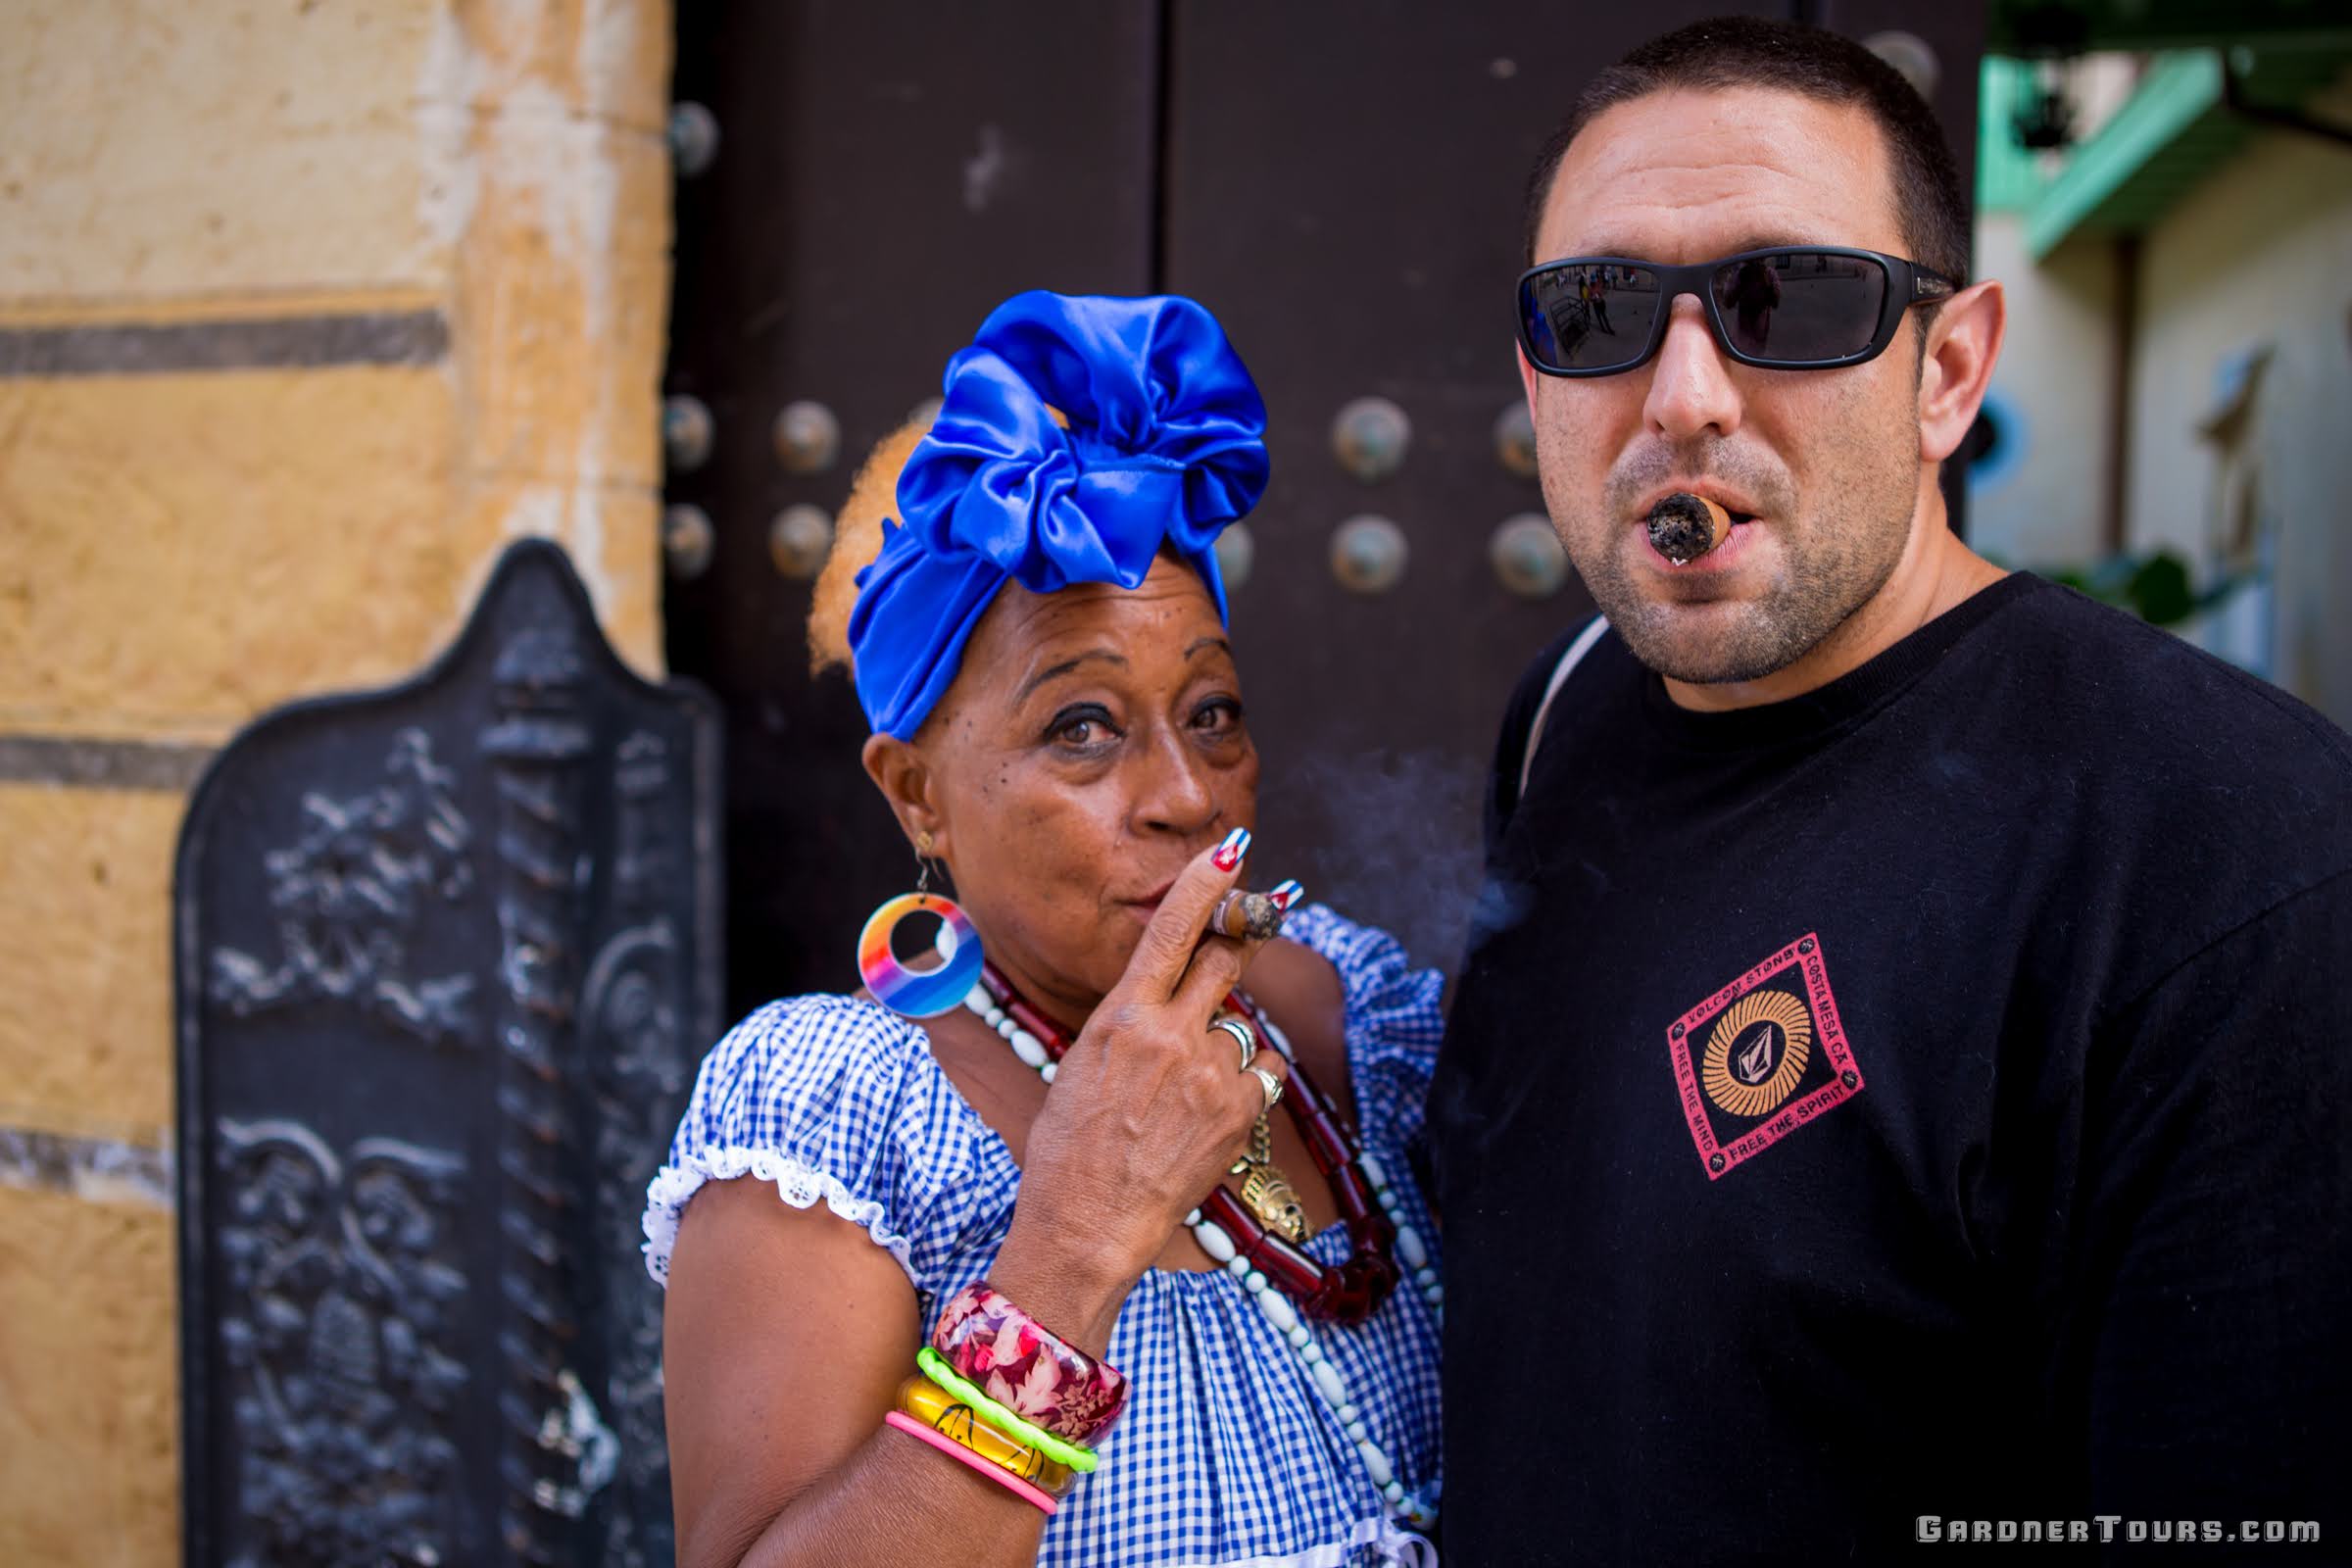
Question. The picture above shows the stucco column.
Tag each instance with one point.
(306, 308)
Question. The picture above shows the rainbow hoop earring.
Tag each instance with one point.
(927, 992)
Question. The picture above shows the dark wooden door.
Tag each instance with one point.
(887, 173)
(1344, 186)
(1338, 181)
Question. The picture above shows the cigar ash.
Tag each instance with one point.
(1683, 527)
(1242, 915)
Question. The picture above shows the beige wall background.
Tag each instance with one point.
(2053, 375)
(306, 308)
(2257, 255)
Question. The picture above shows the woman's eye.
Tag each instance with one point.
(1218, 716)
(1080, 728)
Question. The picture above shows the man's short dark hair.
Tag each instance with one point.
(1753, 52)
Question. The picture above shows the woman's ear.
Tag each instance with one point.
(907, 781)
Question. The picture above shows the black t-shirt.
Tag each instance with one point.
(1925, 1096)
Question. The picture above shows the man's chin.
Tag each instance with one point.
(1708, 642)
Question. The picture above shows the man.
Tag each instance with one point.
(1899, 1082)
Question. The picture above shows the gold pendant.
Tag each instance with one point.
(1275, 1202)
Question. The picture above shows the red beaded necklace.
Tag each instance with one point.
(1346, 1295)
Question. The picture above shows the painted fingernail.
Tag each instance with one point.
(1229, 854)
(1288, 893)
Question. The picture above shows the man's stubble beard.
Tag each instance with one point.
(1837, 550)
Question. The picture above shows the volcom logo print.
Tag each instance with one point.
(1762, 1056)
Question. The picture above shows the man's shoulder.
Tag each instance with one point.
(1590, 647)
(2196, 795)
(2112, 687)
(1525, 711)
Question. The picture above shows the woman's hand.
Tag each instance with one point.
(1149, 1111)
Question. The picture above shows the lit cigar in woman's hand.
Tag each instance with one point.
(1242, 915)
(1683, 527)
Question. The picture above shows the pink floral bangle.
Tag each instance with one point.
(1022, 1366)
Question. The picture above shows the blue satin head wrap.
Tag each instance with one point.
(1165, 443)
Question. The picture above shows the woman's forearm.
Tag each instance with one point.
(893, 1502)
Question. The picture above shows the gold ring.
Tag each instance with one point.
(1269, 1083)
(1242, 1034)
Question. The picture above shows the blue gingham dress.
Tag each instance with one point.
(1227, 1456)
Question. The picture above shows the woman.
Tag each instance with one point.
(1055, 1190)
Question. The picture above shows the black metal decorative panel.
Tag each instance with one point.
(446, 957)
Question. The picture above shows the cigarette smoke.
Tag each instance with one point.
(1396, 841)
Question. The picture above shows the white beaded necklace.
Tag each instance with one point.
(1279, 1313)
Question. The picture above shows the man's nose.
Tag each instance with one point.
(1690, 388)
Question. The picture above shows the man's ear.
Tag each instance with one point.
(1956, 367)
(907, 781)
(1528, 377)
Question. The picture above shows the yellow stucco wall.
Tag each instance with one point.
(85, 1034)
(89, 1440)
(191, 538)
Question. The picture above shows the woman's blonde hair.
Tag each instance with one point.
(857, 541)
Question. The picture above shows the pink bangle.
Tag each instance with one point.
(1022, 1366)
(964, 1455)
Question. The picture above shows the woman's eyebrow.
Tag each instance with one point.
(1202, 644)
(1064, 668)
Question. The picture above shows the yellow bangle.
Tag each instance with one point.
(935, 1367)
(926, 1401)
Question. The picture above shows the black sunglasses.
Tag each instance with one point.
(1790, 307)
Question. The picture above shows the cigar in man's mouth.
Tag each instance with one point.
(1241, 914)
(1683, 527)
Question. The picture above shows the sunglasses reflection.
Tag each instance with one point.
(1577, 307)
(1754, 292)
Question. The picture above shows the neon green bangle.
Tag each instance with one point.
(935, 1367)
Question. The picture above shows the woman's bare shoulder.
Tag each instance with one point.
(1300, 991)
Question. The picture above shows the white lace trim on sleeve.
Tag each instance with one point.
(798, 1184)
